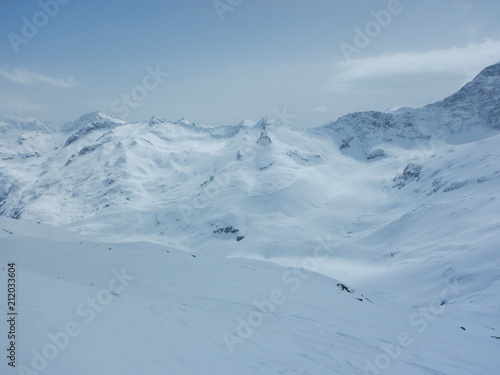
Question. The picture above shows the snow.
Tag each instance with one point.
(175, 311)
(369, 245)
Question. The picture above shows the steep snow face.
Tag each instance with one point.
(473, 113)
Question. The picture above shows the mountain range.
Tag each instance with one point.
(385, 222)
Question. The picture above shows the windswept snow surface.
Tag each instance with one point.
(366, 246)
(144, 308)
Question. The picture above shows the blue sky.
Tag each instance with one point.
(224, 61)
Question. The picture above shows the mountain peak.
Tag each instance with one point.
(156, 120)
(99, 115)
(490, 71)
(476, 106)
(470, 114)
(88, 123)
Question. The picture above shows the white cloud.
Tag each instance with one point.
(319, 109)
(25, 77)
(360, 75)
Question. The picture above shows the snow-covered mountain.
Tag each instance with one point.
(21, 122)
(382, 216)
(470, 114)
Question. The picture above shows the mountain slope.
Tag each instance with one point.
(140, 307)
(470, 114)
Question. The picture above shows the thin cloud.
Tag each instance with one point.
(11, 102)
(319, 109)
(26, 77)
(361, 74)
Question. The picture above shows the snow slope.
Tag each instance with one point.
(168, 312)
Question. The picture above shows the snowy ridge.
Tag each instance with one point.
(22, 122)
(470, 114)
